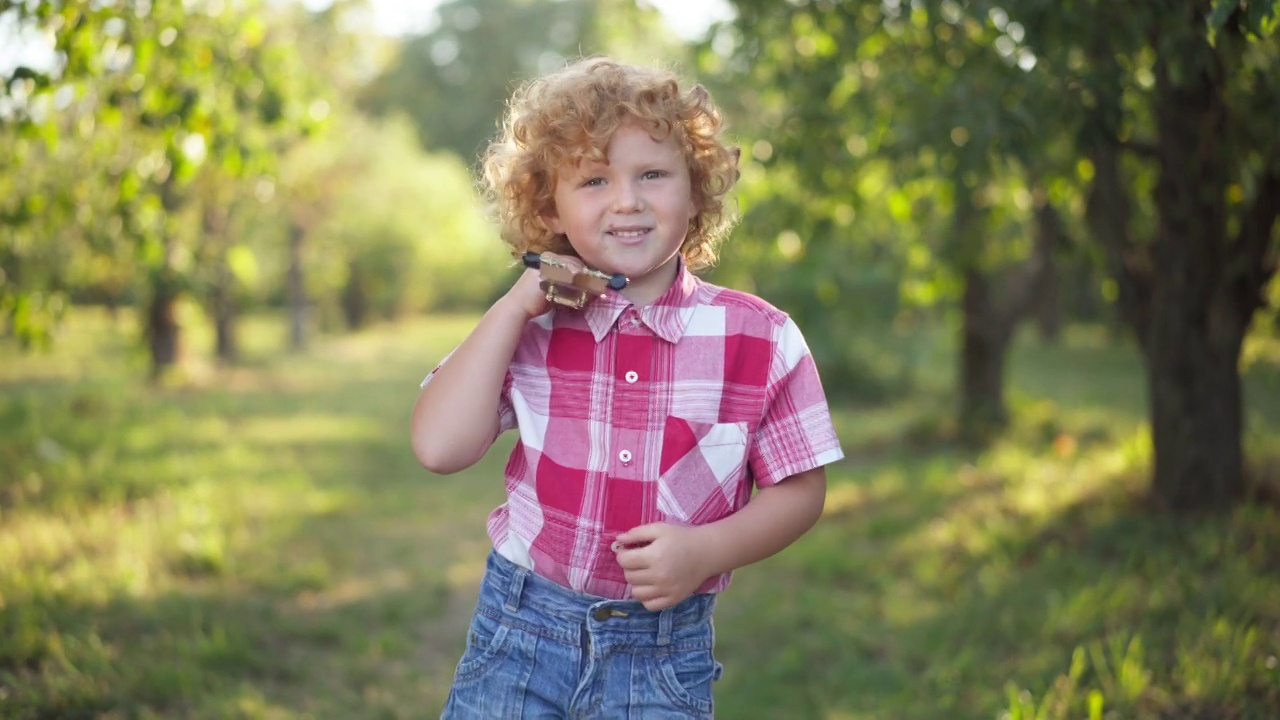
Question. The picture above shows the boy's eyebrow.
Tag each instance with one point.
(583, 166)
(576, 173)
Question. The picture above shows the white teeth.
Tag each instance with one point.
(629, 233)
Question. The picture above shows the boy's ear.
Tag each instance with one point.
(551, 219)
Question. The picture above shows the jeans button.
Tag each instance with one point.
(601, 613)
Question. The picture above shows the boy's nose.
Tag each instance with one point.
(627, 198)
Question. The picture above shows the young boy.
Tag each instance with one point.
(645, 418)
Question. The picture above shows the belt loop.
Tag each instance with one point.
(516, 588)
(665, 619)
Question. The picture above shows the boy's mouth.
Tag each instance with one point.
(628, 233)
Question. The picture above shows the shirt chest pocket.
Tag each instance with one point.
(703, 470)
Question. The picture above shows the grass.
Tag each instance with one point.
(258, 542)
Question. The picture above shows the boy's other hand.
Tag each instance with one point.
(664, 563)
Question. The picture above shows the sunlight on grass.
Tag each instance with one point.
(312, 428)
(844, 498)
(467, 573)
(259, 542)
(1020, 582)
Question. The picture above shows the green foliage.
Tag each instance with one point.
(146, 104)
(994, 122)
(146, 162)
(453, 81)
(1251, 17)
(402, 232)
(894, 143)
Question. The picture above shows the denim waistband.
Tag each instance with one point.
(521, 589)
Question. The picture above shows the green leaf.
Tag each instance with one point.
(22, 72)
(1095, 705)
(1218, 16)
(243, 264)
(1259, 16)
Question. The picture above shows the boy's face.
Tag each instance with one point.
(631, 215)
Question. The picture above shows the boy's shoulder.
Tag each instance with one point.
(741, 303)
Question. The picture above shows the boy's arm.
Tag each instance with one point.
(455, 418)
(667, 563)
(776, 517)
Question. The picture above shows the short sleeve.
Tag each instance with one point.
(506, 414)
(796, 432)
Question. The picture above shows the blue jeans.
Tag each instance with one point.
(539, 650)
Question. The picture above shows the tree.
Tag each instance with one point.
(185, 89)
(905, 107)
(400, 230)
(1186, 91)
(313, 173)
(1165, 109)
(453, 81)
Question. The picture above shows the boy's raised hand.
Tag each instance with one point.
(664, 563)
(527, 294)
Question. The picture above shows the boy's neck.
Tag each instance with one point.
(654, 284)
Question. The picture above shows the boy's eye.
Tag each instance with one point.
(593, 182)
(654, 174)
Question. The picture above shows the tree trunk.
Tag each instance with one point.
(298, 309)
(1048, 296)
(224, 319)
(163, 331)
(991, 317)
(984, 347)
(1049, 308)
(222, 296)
(1196, 330)
(355, 298)
(1196, 419)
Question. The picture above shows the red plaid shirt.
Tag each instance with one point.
(667, 412)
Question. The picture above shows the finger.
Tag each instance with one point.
(641, 577)
(641, 535)
(632, 560)
(661, 602)
(645, 593)
(530, 294)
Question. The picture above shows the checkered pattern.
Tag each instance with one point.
(669, 412)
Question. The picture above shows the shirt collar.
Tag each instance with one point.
(667, 317)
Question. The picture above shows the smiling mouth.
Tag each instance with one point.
(629, 232)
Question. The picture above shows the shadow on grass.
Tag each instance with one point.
(283, 555)
(268, 548)
(201, 652)
(947, 597)
(321, 576)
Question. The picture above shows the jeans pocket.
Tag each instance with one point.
(488, 641)
(686, 677)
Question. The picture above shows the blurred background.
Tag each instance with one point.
(1032, 246)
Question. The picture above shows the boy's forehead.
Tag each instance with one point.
(597, 152)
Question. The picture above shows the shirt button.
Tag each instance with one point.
(625, 456)
(632, 376)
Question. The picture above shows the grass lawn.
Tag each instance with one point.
(259, 542)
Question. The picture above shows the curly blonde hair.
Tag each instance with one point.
(571, 115)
